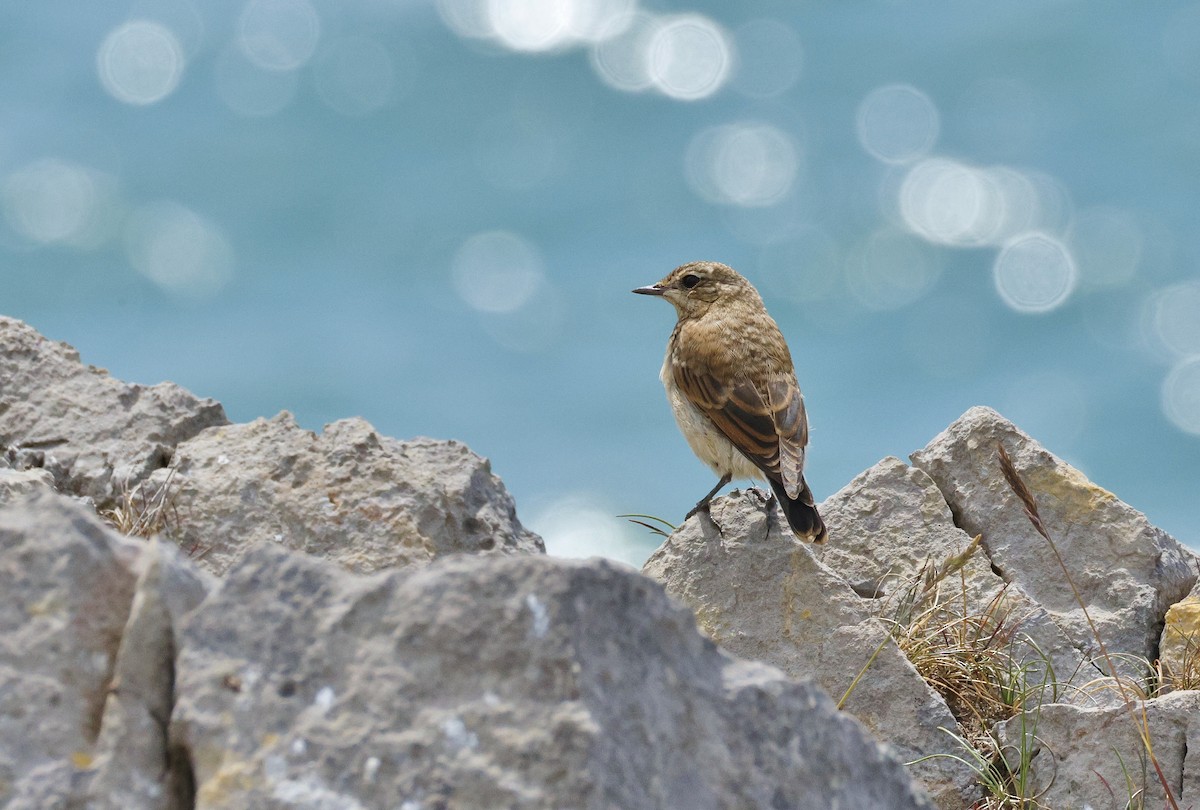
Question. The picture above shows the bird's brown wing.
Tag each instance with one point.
(768, 426)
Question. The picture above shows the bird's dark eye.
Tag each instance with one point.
(691, 280)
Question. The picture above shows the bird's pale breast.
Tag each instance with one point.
(706, 441)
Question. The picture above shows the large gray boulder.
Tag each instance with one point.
(68, 583)
(1128, 572)
(890, 528)
(1081, 757)
(348, 494)
(96, 435)
(479, 682)
(763, 595)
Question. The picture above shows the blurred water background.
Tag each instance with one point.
(430, 214)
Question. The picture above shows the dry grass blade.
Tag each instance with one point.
(144, 510)
(658, 530)
(1139, 719)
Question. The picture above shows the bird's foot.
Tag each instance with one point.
(765, 497)
(703, 506)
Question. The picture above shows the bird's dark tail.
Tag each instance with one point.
(801, 512)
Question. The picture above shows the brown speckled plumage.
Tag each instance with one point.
(732, 387)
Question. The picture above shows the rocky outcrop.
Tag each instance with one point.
(132, 680)
(68, 585)
(763, 595)
(808, 610)
(96, 435)
(349, 494)
(1128, 572)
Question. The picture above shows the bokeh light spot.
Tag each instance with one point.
(496, 271)
(140, 62)
(1181, 395)
(53, 201)
(1174, 318)
(576, 525)
(689, 57)
(531, 25)
(770, 58)
(620, 61)
(897, 123)
(354, 76)
(1034, 273)
(746, 164)
(183, 253)
(279, 34)
(892, 270)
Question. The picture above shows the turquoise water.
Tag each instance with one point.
(431, 215)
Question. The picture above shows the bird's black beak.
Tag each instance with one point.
(653, 289)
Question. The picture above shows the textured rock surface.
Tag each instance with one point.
(891, 521)
(67, 584)
(512, 682)
(1081, 753)
(348, 494)
(96, 435)
(1128, 571)
(762, 595)
(135, 767)
(1179, 649)
(19, 483)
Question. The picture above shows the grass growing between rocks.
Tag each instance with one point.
(145, 511)
(1135, 708)
(987, 671)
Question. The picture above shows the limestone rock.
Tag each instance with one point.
(67, 583)
(1179, 649)
(349, 494)
(134, 764)
(891, 522)
(1128, 571)
(95, 434)
(1079, 754)
(762, 595)
(18, 483)
(520, 681)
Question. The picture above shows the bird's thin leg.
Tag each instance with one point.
(725, 479)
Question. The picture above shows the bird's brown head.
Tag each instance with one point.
(693, 288)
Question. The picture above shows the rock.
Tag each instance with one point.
(134, 765)
(520, 681)
(891, 523)
(1128, 572)
(762, 595)
(68, 583)
(350, 495)
(1083, 757)
(1179, 649)
(19, 483)
(94, 434)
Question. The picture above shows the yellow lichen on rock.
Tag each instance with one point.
(1179, 651)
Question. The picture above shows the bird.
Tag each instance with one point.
(732, 387)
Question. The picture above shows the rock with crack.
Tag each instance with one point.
(1128, 572)
(762, 595)
(1081, 757)
(135, 766)
(1179, 647)
(68, 583)
(521, 681)
(96, 435)
(890, 530)
(349, 494)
